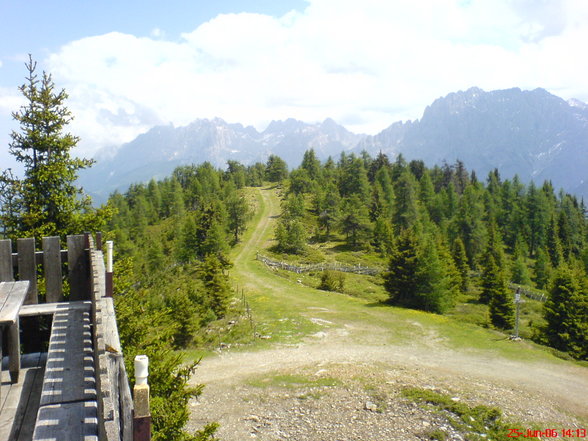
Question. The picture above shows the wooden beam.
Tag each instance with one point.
(6, 274)
(52, 267)
(27, 267)
(79, 268)
(52, 308)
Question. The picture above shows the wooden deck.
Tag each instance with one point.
(20, 401)
(78, 390)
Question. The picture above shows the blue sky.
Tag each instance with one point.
(130, 65)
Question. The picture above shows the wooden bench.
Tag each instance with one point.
(68, 406)
(12, 296)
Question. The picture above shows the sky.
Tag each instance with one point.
(130, 65)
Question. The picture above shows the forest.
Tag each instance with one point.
(440, 233)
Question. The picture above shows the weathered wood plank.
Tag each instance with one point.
(79, 269)
(67, 421)
(69, 374)
(52, 308)
(27, 266)
(12, 296)
(6, 274)
(14, 352)
(52, 268)
(19, 409)
(126, 403)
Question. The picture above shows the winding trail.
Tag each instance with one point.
(348, 334)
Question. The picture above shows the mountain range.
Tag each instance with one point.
(533, 134)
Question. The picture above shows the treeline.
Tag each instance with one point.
(172, 239)
(439, 226)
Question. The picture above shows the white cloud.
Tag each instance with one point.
(365, 64)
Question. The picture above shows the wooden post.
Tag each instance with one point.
(141, 413)
(27, 267)
(52, 265)
(6, 274)
(99, 241)
(109, 251)
(78, 267)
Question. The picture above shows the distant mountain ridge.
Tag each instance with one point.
(534, 134)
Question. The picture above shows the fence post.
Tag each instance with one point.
(141, 413)
(108, 280)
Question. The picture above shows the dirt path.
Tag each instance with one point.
(343, 382)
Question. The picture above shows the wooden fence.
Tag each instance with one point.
(334, 266)
(52, 262)
(534, 295)
(115, 403)
(358, 269)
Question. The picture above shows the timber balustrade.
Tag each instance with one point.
(85, 389)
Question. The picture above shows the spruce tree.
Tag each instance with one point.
(355, 222)
(461, 262)
(434, 291)
(400, 280)
(501, 307)
(276, 169)
(542, 269)
(49, 201)
(566, 313)
(492, 279)
(216, 285)
(495, 292)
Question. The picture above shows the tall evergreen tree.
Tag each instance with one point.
(311, 164)
(216, 285)
(400, 280)
(406, 207)
(354, 220)
(461, 262)
(276, 169)
(542, 269)
(566, 313)
(49, 201)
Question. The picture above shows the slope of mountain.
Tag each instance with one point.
(534, 134)
(156, 153)
(530, 133)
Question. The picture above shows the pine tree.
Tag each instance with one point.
(435, 291)
(502, 307)
(461, 262)
(495, 292)
(418, 277)
(566, 313)
(216, 285)
(238, 212)
(311, 164)
(355, 222)
(406, 208)
(520, 271)
(382, 235)
(542, 269)
(49, 201)
(276, 169)
(492, 279)
(554, 247)
(400, 280)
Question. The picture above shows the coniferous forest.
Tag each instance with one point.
(441, 234)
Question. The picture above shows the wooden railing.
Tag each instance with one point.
(82, 266)
(115, 403)
(53, 263)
